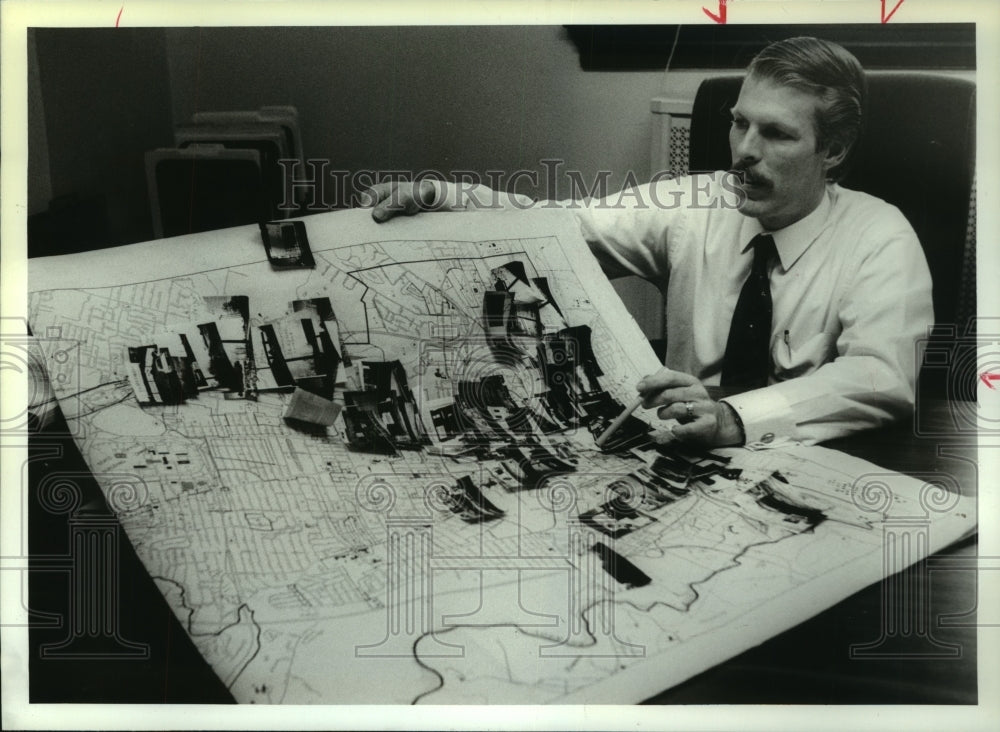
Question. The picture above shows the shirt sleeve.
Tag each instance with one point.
(629, 232)
(884, 310)
(632, 232)
(466, 196)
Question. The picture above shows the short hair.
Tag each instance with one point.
(828, 71)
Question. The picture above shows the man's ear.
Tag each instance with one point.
(835, 155)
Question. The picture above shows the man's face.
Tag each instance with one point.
(773, 142)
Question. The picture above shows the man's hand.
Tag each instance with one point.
(703, 421)
(399, 197)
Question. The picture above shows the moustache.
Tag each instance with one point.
(747, 176)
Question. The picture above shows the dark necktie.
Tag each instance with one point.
(747, 362)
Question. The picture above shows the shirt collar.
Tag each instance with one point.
(792, 241)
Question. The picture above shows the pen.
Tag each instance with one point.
(618, 421)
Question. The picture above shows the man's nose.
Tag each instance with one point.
(746, 147)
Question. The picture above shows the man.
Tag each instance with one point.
(804, 298)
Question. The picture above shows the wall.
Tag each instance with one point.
(39, 176)
(446, 98)
(105, 100)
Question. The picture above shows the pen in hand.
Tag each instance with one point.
(618, 421)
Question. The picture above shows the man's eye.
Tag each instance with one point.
(739, 123)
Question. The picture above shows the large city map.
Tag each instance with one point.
(376, 480)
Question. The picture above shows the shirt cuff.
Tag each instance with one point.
(766, 416)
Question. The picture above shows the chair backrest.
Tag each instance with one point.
(916, 152)
(203, 188)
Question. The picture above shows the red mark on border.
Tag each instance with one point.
(721, 17)
(123, 7)
(885, 18)
(988, 379)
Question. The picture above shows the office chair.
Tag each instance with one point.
(205, 187)
(227, 169)
(917, 152)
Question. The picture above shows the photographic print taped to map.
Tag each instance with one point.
(226, 337)
(299, 349)
(287, 244)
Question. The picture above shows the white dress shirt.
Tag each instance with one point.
(851, 298)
